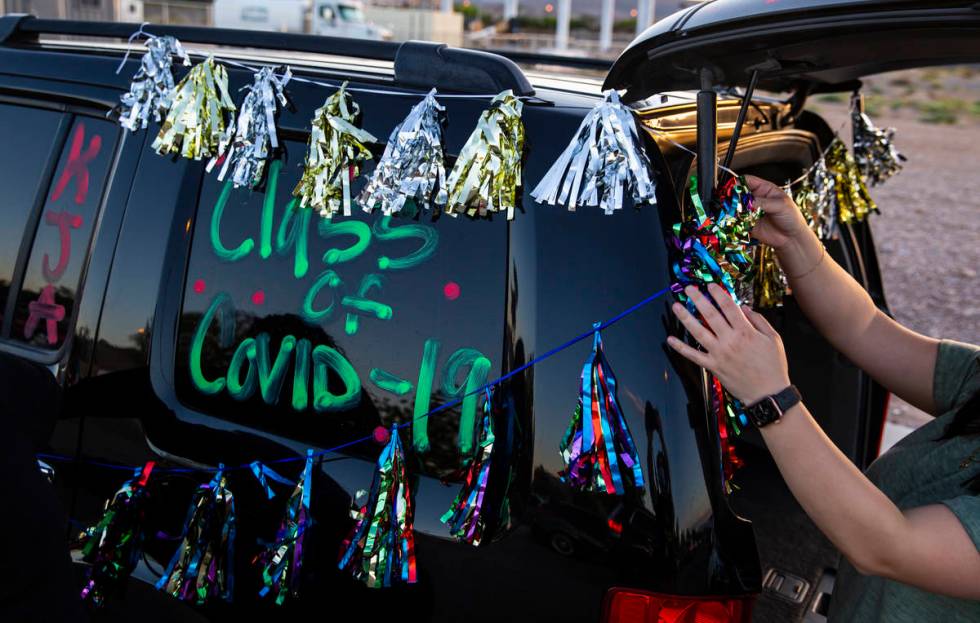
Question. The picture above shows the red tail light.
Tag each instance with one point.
(633, 606)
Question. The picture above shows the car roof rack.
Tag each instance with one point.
(417, 63)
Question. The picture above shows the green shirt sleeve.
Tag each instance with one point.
(967, 510)
(957, 375)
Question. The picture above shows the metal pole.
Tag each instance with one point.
(644, 15)
(707, 141)
(606, 17)
(446, 6)
(564, 21)
(740, 121)
(510, 9)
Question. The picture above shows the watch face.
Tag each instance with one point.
(765, 412)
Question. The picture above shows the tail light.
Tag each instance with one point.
(633, 606)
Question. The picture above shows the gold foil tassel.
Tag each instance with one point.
(854, 203)
(201, 114)
(487, 173)
(336, 150)
(769, 286)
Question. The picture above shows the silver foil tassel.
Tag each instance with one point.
(874, 147)
(818, 200)
(413, 164)
(245, 153)
(151, 91)
(604, 158)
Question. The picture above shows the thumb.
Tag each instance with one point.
(761, 187)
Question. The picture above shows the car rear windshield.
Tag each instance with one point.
(322, 330)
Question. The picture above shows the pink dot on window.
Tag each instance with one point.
(381, 434)
(258, 297)
(451, 291)
(199, 286)
(76, 222)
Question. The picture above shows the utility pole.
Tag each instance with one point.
(446, 6)
(510, 9)
(645, 10)
(564, 22)
(606, 17)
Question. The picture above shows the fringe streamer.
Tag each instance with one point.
(817, 198)
(201, 111)
(151, 90)
(202, 569)
(874, 148)
(413, 164)
(255, 131)
(854, 203)
(282, 560)
(604, 157)
(380, 550)
(114, 545)
(770, 283)
(465, 517)
(730, 415)
(487, 173)
(336, 149)
(594, 450)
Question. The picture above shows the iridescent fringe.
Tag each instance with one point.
(334, 155)
(114, 545)
(597, 449)
(282, 560)
(770, 284)
(151, 91)
(854, 203)
(202, 569)
(730, 415)
(487, 173)
(817, 198)
(874, 148)
(413, 166)
(380, 550)
(465, 517)
(605, 158)
(200, 113)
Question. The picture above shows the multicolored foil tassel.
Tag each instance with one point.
(730, 415)
(202, 569)
(817, 198)
(874, 147)
(770, 283)
(282, 560)
(114, 545)
(465, 518)
(200, 113)
(854, 203)
(380, 550)
(255, 137)
(715, 245)
(487, 173)
(604, 158)
(413, 166)
(334, 155)
(151, 91)
(597, 449)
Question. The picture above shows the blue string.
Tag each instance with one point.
(443, 407)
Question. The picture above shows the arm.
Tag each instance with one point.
(926, 547)
(901, 360)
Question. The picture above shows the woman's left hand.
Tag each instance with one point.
(740, 347)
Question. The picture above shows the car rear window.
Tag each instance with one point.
(47, 296)
(321, 331)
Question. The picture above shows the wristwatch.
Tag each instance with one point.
(771, 408)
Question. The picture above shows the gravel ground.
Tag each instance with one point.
(928, 232)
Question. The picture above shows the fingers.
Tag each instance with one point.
(761, 187)
(701, 333)
(715, 321)
(759, 322)
(689, 353)
(733, 314)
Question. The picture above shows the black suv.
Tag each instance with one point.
(134, 277)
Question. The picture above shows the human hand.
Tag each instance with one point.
(740, 347)
(783, 221)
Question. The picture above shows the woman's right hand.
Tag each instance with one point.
(783, 221)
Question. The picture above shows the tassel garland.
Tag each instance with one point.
(465, 518)
(255, 132)
(854, 203)
(770, 284)
(597, 449)
(151, 91)
(336, 149)
(487, 173)
(282, 560)
(412, 167)
(730, 416)
(605, 157)
(874, 148)
(114, 545)
(201, 111)
(202, 568)
(817, 198)
(380, 550)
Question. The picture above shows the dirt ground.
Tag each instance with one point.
(928, 232)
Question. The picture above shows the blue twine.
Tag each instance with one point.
(443, 407)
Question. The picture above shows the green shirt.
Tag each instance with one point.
(921, 470)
